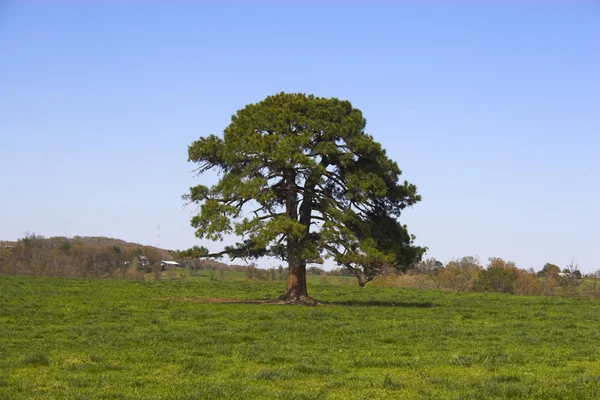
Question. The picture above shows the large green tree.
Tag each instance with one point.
(301, 180)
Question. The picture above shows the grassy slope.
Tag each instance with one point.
(111, 339)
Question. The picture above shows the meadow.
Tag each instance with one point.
(67, 338)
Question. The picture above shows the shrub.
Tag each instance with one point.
(590, 288)
(157, 270)
(454, 277)
(527, 283)
(134, 274)
(496, 279)
(549, 285)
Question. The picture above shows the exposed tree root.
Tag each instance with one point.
(298, 299)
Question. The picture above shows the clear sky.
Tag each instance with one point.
(491, 108)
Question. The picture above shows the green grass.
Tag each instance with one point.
(66, 338)
(214, 275)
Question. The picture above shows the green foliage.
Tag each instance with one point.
(301, 180)
(549, 270)
(65, 246)
(500, 277)
(64, 338)
(571, 277)
(576, 274)
(496, 279)
(195, 252)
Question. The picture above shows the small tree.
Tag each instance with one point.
(549, 270)
(459, 274)
(571, 277)
(429, 267)
(157, 270)
(500, 276)
(527, 283)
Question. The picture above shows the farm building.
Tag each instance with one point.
(169, 264)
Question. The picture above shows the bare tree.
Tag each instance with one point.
(572, 275)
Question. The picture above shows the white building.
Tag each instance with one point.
(169, 264)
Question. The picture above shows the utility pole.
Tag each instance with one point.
(158, 236)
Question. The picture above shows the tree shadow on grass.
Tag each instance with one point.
(345, 303)
(380, 303)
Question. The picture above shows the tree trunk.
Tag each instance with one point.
(296, 290)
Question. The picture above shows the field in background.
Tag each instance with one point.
(119, 339)
(204, 275)
(101, 257)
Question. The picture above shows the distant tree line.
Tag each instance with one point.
(113, 258)
(467, 274)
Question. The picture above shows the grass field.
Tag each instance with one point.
(113, 339)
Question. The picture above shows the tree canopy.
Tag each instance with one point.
(301, 180)
(549, 269)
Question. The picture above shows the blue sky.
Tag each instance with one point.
(491, 108)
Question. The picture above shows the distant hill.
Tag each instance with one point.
(102, 242)
(93, 241)
(79, 256)
(98, 256)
